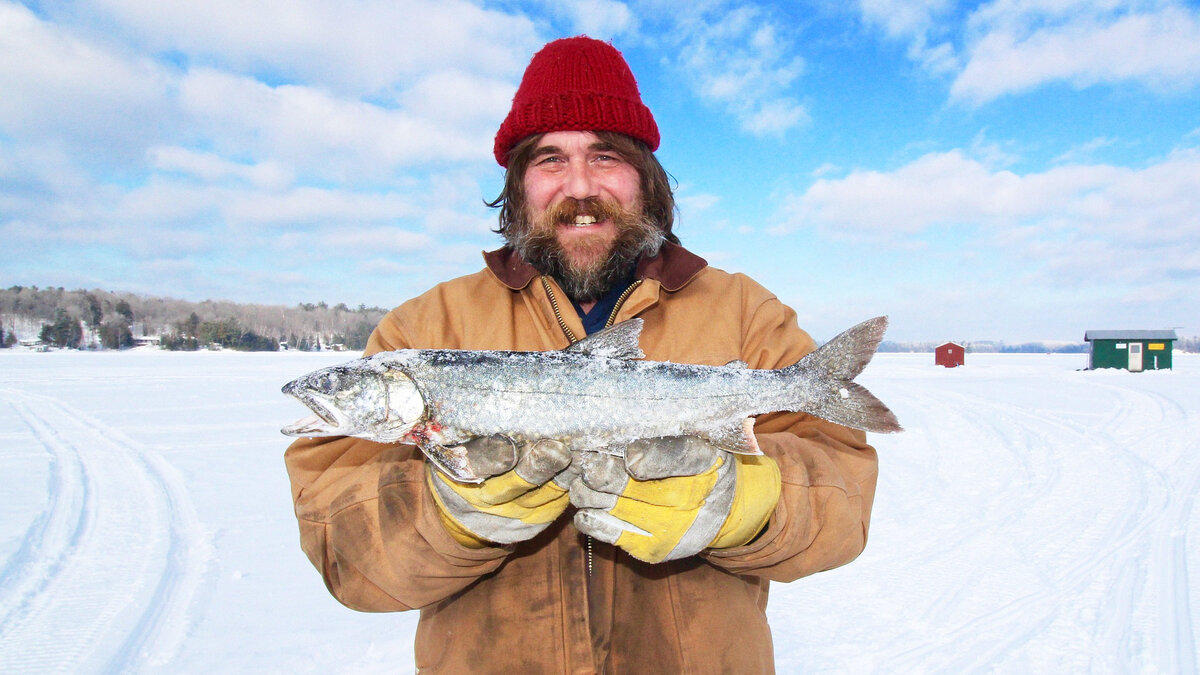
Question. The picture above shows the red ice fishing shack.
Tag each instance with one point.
(950, 355)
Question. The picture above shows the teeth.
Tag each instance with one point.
(585, 220)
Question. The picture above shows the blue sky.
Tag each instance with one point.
(1010, 170)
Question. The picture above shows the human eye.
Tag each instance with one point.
(548, 160)
(607, 158)
(547, 154)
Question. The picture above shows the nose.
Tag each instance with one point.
(580, 181)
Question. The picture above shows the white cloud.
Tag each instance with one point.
(1159, 48)
(171, 215)
(936, 189)
(903, 18)
(353, 48)
(1007, 47)
(772, 117)
(452, 204)
(695, 204)
(1084, 150)
(317, 132)
(315, 206)
(58, 87)
(824, 170)
(458, 221)
(377, 239)
(35, 237)
(738, 60)
(602, 19)
(919, 22)
(951, 188)
(383, 267)
(212, 168)
(440, 77)
(459, 99)
(33, 176)
(1131, 224)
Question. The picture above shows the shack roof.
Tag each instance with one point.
(1129, 335)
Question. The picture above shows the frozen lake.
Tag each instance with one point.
(1032, 518)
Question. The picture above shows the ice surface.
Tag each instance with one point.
(1032, 518)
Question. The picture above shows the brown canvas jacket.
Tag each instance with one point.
(369, 525)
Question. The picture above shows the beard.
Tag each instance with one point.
(593, 265)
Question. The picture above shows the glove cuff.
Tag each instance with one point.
(757, 492)
(456, 529)
(479, 520)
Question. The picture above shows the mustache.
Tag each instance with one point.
(566, 210)
(536, 241)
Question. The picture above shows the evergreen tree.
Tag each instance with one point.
(66, 331)
(115, 334)
(192, 326)
(95, 313)
(356, 339)
(125, 311)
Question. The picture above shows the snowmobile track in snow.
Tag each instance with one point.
(104, 577)
(1096, 563)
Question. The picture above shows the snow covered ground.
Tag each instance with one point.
(1033, 518)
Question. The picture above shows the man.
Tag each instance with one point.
(659, 561)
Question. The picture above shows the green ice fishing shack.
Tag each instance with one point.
(1132, 350)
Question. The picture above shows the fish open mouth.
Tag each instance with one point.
(321, 422)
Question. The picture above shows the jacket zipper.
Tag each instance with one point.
(571, 337)
(612, 317)
(558, 314)
(621, 301)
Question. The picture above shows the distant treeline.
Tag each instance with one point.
(988, 347)
(1190, 345)
(97, 319)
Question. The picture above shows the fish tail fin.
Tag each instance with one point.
(830, 371)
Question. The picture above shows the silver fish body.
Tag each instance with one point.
(598, 394)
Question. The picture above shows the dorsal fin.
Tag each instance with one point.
(619, 341)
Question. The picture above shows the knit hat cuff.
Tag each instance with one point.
(576, 111)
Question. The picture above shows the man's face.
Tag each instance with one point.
(576, 184)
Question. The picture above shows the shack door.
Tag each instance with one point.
(1135, 357)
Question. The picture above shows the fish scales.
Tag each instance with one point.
(590, 402)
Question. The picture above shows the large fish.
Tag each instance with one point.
(594, 395)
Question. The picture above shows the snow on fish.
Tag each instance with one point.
(597, 394)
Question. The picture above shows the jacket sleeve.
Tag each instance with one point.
(368, 523)
(828, 472)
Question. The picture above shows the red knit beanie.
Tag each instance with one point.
(576, 84)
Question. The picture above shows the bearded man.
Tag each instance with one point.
(537, 568)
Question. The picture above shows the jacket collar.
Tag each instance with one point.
(673, 267)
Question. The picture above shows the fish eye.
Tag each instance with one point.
(327, 383)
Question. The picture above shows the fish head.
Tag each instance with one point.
(356, 399)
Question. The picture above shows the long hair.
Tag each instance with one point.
(658, 202)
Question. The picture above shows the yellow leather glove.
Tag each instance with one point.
(673, 497)
(522, 498)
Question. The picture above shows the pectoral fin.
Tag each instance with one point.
(451, 461)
